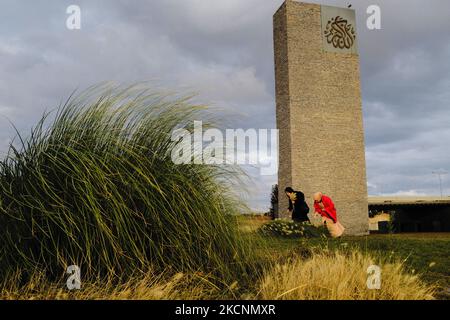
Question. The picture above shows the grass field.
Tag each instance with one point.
(414, 266)
(425, 254)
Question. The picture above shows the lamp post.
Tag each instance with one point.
(440, 173)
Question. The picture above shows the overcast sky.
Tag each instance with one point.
(223, 50)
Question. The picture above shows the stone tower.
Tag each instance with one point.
(318, 109)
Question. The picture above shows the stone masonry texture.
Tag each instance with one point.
(319, 117)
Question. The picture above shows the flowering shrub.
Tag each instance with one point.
(291, 229)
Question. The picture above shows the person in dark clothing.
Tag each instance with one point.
(297, 205)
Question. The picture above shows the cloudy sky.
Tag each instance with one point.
(223, 50)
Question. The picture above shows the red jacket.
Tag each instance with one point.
(329, 211)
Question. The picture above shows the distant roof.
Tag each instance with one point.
(433, 200)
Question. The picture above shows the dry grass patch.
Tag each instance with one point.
(341, 276)
(148, 287)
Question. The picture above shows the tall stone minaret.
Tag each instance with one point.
(318, 109)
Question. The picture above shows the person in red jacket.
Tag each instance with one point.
(324, 206)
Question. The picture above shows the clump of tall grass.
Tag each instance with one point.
(340, 276)
(96, 187)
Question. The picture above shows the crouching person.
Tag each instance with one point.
(324, 206)
(297, 205)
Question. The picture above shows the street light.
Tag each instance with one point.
(440, 173)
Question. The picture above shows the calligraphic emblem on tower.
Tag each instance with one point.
(340, 33)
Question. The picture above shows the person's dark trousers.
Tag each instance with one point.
(300, 220)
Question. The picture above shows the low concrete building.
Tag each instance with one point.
(413, 214)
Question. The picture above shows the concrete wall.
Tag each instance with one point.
(318, 110)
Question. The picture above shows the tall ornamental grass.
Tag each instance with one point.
(95, 186)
